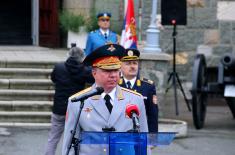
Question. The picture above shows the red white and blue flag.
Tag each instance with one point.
(129, 36)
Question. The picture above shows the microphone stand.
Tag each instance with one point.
(72, 140)
(175, 76)
(136, 125)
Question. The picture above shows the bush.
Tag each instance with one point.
(91, 23)
(70, 21)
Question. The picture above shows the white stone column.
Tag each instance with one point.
(35, 22)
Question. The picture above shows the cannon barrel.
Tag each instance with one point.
(228, 60)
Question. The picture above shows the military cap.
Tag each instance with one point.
(106, 15)
(131, 54)
(105, 57)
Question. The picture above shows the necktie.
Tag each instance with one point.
(128, 84)
(108, 103)
(105, 35)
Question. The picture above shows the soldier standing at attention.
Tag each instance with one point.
(131, 80)
(108, 109)
(101, 36)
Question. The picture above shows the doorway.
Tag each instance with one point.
(29, 22)
(15, 27)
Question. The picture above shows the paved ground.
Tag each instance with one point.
(216, 138)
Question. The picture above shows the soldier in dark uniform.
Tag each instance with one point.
(131, 80)
(101, 36)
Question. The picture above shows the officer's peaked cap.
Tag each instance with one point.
(104, 15)
(106, 57)
(131, 54)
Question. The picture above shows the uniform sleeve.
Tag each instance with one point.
(152, 110)
(88, 45)
(143, 117)
(70, 121)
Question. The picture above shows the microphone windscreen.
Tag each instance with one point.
(130, 108)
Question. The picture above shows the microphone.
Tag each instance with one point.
(132, 112)
(96, 91)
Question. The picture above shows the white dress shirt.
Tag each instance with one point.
(111, 94)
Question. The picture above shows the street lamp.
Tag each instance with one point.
(152, 38)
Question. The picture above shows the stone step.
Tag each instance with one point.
(36, 84)
(31, 95)
(28, 64)
(30, 125)
(24, 73)
(30, 56)
(26, 105)
(25, 117)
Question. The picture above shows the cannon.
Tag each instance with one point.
(212, 81)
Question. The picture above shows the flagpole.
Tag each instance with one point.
(140, 22)
(152, 33)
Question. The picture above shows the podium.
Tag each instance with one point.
(123, 143)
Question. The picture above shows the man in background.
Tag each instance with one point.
(68, 77)
(131, 80)
(101, 36)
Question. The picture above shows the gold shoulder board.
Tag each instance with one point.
(131, 91)
(147, 80)
(81, 92)
(120, 81)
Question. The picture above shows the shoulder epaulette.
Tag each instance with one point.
(81, 92)
(147, 80)
(93, 31)
(120, 81)
(131, 91)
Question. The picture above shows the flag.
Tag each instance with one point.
(129, 36)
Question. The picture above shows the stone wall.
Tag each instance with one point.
(78, 6)
(116, 7)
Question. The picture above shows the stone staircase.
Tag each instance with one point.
(26, 93)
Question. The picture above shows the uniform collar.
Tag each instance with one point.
(111, 94)
(117, 92)
(102, 32)
(132, 81)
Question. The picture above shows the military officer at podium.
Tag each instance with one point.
(131, 80)
(101, 36)
(105, 111)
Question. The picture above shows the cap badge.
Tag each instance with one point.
(111, 48)
(130, 53)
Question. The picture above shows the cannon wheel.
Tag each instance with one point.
(199, 98)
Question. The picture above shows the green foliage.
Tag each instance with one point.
(91, 23)
(70, 21)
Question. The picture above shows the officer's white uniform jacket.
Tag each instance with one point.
(96, 116)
